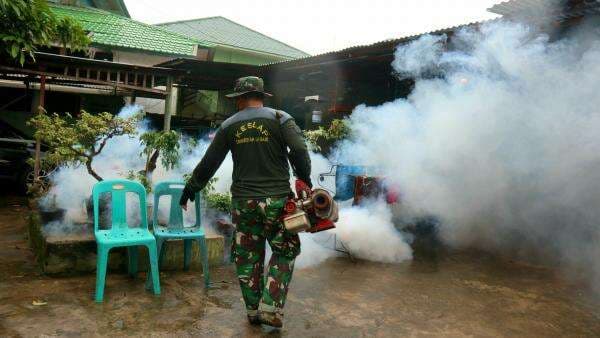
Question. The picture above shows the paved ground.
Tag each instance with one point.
(458, 295)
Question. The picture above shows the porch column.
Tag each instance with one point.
(170, 103)
(38, 110)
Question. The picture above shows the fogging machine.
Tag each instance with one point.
(310, 210)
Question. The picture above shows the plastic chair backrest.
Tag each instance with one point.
(175, 190)
(118, 189)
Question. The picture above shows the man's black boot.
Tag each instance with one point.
(273, 319)
(253, 317)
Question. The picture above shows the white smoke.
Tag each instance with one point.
(503, 147)
(420, 56)
(365, 232)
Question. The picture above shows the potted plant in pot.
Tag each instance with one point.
(77, 141)
(49, 210)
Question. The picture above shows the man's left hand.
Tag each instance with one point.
(187, 195)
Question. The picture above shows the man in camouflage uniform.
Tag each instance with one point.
(258, 138)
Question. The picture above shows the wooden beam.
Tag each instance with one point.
(91, 81)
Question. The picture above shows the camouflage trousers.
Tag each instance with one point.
(257, 221)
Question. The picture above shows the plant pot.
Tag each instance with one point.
(104, 209)
(52, 215)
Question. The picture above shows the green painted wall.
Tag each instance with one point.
(239, 56)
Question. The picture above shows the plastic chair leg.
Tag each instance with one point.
(204, 257)
(153, 259)
(161, 244)
(160, 247)
(187, 253)
(101, 266)
(132, 266)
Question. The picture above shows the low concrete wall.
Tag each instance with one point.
(76, 254)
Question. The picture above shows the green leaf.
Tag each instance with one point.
(27, 24)
(14, 50)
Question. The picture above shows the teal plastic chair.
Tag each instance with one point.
(120, 234)
(175, 229)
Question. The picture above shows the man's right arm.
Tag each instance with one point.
(298, 154)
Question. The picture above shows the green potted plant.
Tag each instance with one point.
(78, 141)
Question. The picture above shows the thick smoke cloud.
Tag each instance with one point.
(368, 232)
(503, 146)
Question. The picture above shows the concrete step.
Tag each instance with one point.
(76, 253)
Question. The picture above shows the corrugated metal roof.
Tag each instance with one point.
(110, 29)
(389, 43)
(542, 9)
(222, 31)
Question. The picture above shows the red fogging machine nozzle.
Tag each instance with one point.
(311, 210)
(290, 207)
(321, 200)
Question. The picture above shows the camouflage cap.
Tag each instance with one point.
(248, 84)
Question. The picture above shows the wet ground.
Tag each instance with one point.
(457, 295)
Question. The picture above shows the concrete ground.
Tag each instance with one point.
(453, 294)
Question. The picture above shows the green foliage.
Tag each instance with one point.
(219, 201)
(78, 140)
(70, 34)
(164, 142)
(216, 200)
(156, 144)
(337, 130)
(191, 144)
(141, 177)
(28, 24)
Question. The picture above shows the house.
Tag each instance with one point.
(116, 38)
(119, 38)
(334, 83)
(234, 43)
(114, 6)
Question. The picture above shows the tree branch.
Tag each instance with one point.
(90, 170)
(103, 143)
(151, 164)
